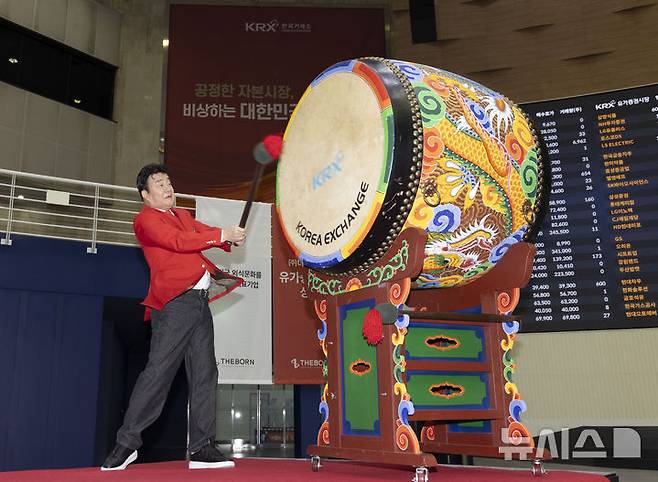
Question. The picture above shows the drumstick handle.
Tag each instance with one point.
(452, 316)
(258, 174)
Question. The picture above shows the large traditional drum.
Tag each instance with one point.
(377, 145)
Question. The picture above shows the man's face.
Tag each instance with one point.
(160, 194)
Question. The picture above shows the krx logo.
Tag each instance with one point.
(271, 26)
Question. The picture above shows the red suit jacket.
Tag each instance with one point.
(172, 246)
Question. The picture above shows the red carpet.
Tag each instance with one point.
(280, 470)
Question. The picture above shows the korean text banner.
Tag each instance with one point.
(298, 357)
(243, 318)
(235, 75)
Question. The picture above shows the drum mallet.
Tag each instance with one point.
(266, 152)
(390, 314)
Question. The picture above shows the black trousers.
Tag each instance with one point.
(183, 329)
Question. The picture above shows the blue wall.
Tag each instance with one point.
(307, 417)
(51, 312)
(49, 364)
(71, 346)
(57, 266)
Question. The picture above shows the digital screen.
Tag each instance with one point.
(597, 251)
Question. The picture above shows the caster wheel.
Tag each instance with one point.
(537, 468)
(315, 463)
(422, 475)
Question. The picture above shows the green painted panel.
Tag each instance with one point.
(473, 424)
(474, 390)
(361, 400)
(456, 342)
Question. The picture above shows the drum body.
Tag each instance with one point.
(376, 145)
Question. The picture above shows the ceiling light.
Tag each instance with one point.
(13, 60)
(77, 101)
(165, 42)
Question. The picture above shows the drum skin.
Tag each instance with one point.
(418, 147)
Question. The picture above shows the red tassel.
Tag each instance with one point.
(373, 329)
(273, 144)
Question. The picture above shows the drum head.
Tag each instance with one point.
(334, 169)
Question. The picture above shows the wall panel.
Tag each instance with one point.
(52, 295)
(11, 148)
(18, 11)
(52, 356)
(50, 18)
(12, 107)
(59, 140)
(81, 25)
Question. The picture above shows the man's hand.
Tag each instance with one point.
(235, 235)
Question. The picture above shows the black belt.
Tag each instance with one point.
(202, 292)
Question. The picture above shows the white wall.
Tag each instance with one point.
(41, 136)
(606, 377)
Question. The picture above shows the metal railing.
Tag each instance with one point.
(55, 207)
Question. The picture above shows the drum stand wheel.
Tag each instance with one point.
(537, 468)
(422, 475)
(315, 463)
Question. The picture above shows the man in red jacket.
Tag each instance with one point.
(181, 283)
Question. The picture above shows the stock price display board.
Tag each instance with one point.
(597, 250)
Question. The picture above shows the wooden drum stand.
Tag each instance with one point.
(445, 360)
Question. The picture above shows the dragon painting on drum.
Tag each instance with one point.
(376, 146)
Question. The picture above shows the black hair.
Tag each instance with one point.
(146, 172)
